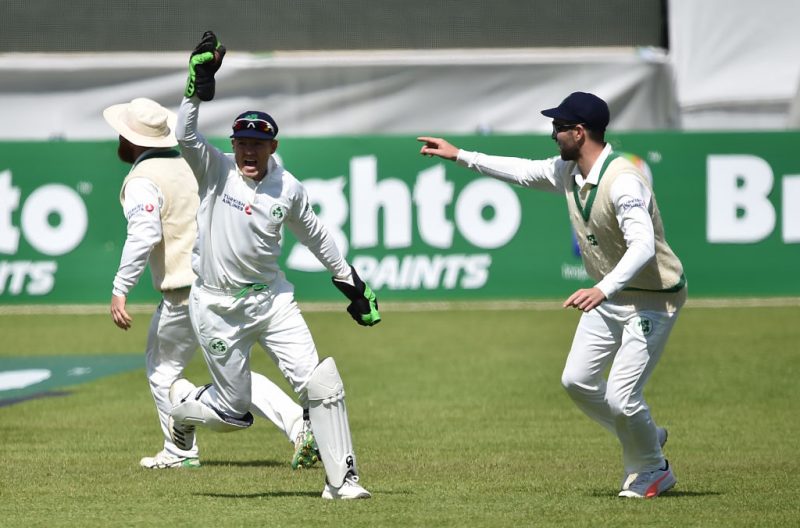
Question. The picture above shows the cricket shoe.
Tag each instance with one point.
(164, 460)
(182, 435)
(350, 489)
(306, 453)
(648, 484)
(663, 435)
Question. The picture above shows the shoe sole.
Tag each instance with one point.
(330, 496)
(650, 493)
(188, 464)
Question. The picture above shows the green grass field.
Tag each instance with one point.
(458, 420)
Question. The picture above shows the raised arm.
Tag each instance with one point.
(205, 60)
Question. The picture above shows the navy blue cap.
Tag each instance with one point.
(581, 107)
(254, 124)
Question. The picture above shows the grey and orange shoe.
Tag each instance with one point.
(648, 484)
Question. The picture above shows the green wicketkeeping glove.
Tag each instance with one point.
(363, 307)
(203, 64)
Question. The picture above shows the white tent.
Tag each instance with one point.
(736, 62)
(732, 65)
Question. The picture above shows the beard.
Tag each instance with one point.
(125, 152)
(569, 153)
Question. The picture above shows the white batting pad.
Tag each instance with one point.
(329, 422)
(192, 411)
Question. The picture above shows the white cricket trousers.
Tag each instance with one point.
(171, 344)
(632, 342)
(228, 326)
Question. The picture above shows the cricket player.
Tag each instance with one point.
(640, 287)
(159, 198)
(241, 296)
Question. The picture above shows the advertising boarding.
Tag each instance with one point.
(425, 229)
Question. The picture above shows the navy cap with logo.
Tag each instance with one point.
(255, 125)
(581, 108)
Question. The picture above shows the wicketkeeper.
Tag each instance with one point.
(159, 198)
(242, 297)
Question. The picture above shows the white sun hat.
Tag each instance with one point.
(143, 122)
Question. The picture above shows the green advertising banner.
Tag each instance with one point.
(419, 228)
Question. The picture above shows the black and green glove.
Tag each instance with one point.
(363, 307)
(203, 64)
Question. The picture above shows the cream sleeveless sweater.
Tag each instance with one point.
(170, 259)
(660, 285)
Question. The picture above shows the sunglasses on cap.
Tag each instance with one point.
(260, 125)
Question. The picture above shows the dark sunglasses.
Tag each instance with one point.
(563, 127)
(260, 125)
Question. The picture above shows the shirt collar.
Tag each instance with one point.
(154, 152)
(594, 174)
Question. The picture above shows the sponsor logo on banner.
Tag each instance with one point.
(53, 221)
(386, 214)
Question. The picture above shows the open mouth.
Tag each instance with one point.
(250, 163)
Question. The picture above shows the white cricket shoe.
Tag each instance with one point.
(648, 484)
(350, 489)
(182, 435)
(164, 460)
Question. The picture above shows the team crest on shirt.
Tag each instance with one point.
(218, 346)
(248, 210)
(643, 326)
(277, 212)
(149, 208)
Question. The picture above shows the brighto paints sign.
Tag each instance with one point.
(53, 221)
(485, 212)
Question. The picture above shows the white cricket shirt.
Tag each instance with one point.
(240, 219)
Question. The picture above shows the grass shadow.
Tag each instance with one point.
(265, 495)
(244, 463)
(279, 494)
(667, 495)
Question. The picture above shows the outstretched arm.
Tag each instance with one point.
(539, 174)
(438, 147)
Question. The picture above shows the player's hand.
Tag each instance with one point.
(203, 64)
(438, 147)
(585, 299)
(363, 307)
(118, 312)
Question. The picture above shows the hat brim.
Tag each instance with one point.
(252, 134)
(560, 114)
(114, 117)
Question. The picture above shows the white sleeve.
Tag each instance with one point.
(538, 174)
(142, 206)
(631, 199)
(203, 158)
(312, 233)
